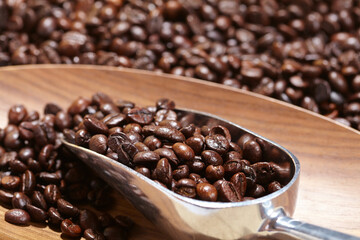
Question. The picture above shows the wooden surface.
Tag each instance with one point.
(328, 152)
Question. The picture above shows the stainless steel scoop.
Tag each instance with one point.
(185, 218)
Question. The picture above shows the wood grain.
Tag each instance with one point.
(329, 153)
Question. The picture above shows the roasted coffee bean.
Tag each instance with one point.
(28, 182)
(240, 182)
(169, 154)
(10, 182)
(273, 187)
(146, 157)
(17, 216)
(152, 143)
(163, 172)
(183, 152)
(68, 228)
(6, 197)
(38, 200)
(227, 192)
(66, 208)
(17, 166)
(211, 157)
(252, 151)
(55, 218)
(217, 143)
(20, 200)
(98, 143)
(52, 194)
(206, 192)
(256, 191)
(143, 170)
(90, 234)
(196, 143)
(36, 214)
(186, 187)
(141, 116)
(88, 219)
(182, 171)
(95, 126)
(167, 133)
(214, 173)
(17, 114)
(265, 172)
(63, 120)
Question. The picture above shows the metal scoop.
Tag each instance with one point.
(185, 218)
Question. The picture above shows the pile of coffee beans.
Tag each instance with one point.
(201, 162)
(302, 52)
(40, 181)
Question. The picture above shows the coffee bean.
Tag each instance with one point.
(273, 187)
(17, 114)
(36, 214)
(52, 194)
(17, 216)
(227, 192)
(55, 218)
(211, 157)
(186, 187)
(217, 143)
(140, 116)
(66, 208)
(68, 228)
(10, 182)
(163, 172)
(38, 200)
(90, 234)
(167, 133)
(88, 219)
(240, 182)
(95, 126)
(206, 192)
(183, 152)
(146, 157)
(28, 182)
(98, 143)
(252, 151)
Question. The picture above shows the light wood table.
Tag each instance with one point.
(329, 153)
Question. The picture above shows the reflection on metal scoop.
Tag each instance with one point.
(185, 218)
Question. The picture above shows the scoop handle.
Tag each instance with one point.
(307, 231)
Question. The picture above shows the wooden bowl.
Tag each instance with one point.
(329, 153)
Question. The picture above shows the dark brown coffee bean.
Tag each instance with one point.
(20, 200)
(163, 172)
(141, 116)
(206, 192)
(214, 173)
(265, 172)
(182, 171)
(17, 166)
(52, 194)
(256, 191)
(66, 208)
(227, 192)
(52, 108)
(79, 106)
(183, 152)
(95, 126)
(88, 219)
(17, 114)
(196, 143)
(240, 182)
(169, 154)
(273, 187)
(6, 197)
(211, 157)
(36, 214)
(26, 153)
(217, 143)
(90, 234)
(98, 143)
(147, 157)
(38, 200)
(17, 216)
(55, 218)
(252, 151)
(167, 133)
(186, 187)
(68, 228)
(28, 182)
(152, 143)
(10, 182)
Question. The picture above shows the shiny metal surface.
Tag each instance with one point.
(185, 218)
